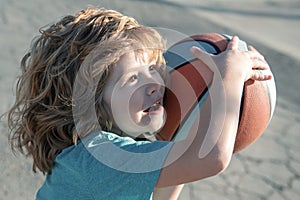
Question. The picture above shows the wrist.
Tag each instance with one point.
(229, 91)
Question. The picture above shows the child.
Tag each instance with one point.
(91, 95)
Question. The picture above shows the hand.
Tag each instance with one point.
(259, 64)
(234, 63)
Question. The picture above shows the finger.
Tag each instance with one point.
(233, 43)
(255, 52)
(256, 55)
(260, 64)
(202, 55)
(251, 48)
(260, 76)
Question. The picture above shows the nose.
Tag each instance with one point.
(153, 88)
(154, 85)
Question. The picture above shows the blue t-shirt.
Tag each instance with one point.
(106, 166)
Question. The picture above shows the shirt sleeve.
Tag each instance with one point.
(122, 168)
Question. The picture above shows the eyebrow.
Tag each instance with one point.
(131, 71)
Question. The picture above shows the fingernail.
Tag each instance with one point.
(194, 49)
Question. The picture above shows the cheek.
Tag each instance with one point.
(129, 102)
(136, 101)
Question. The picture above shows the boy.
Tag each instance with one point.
(92, 84)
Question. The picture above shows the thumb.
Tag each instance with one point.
(205, 57)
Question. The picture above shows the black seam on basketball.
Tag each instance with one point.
(184, 60)
(212, 44)
(241, 108)
(180, 65)
(190, 111)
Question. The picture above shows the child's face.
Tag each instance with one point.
(134, 94)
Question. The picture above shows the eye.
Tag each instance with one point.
(132, 78)
(152, 68)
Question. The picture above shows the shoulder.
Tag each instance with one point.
(100, 139)
(126, 154)
(109, 151)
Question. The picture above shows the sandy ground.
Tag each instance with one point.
(268, 169)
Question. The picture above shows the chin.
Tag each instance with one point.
(156, 126)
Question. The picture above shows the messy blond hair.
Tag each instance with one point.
(41, 120)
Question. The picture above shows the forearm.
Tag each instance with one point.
(224, 116)
(167, 193)
(218, 122)
(209, 145)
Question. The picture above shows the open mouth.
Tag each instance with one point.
(155, 106)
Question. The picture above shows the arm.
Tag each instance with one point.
(167, 193)
(208, 148)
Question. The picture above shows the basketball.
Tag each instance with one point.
(188, 89)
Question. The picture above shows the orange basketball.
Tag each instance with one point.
(189, 82)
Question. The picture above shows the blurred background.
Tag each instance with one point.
(268, 169)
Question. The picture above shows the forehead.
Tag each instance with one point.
(130, 62)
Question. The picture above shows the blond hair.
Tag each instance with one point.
(41, 120)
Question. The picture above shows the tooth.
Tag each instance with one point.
(154, 107)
